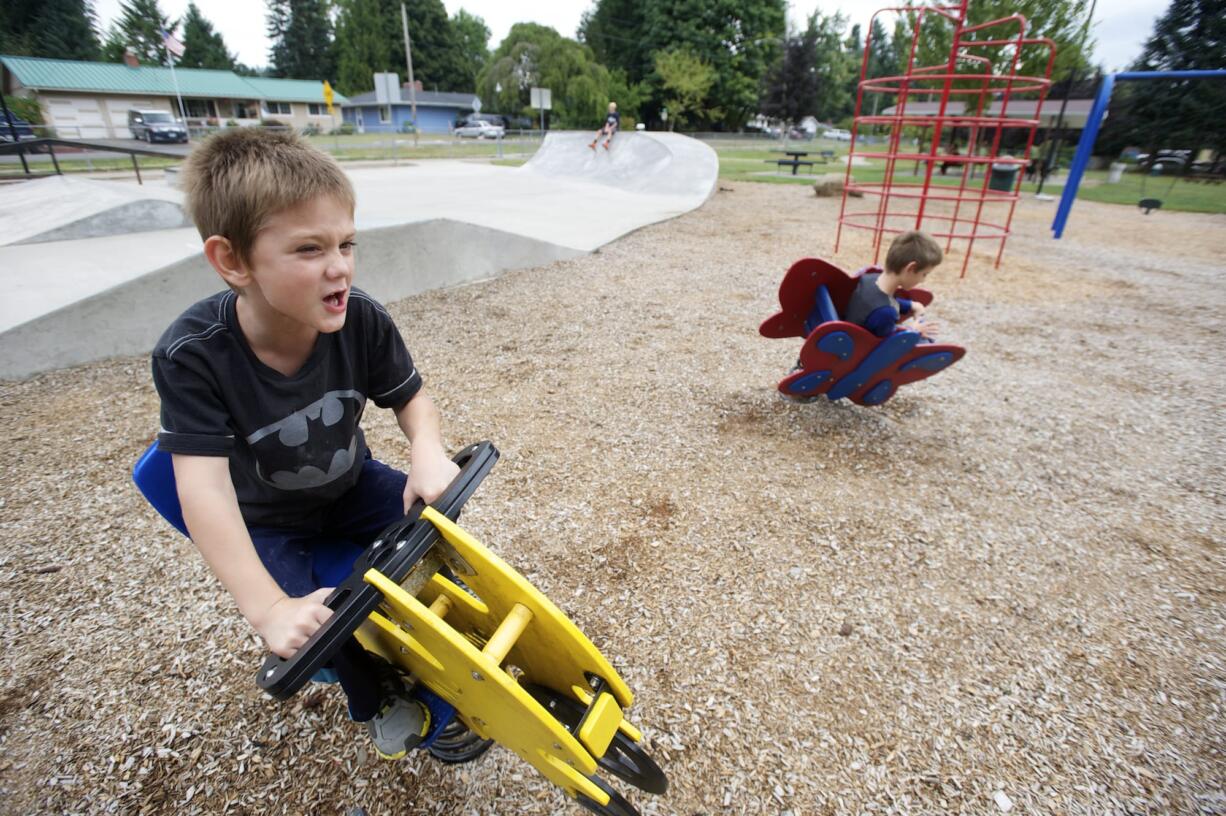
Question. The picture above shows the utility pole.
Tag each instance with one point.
(1053, 152)
(408, 58)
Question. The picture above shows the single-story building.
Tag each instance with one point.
(90, 100)
(437, 112)
(1076, 112)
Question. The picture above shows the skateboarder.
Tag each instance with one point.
(612, 123)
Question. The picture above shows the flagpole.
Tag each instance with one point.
(175, 80)
(170, 61)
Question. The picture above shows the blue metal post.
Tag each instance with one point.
(1082, 157)
(1086, 144)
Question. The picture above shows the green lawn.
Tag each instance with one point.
(739, 162)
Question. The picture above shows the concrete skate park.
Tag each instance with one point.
(99, 268)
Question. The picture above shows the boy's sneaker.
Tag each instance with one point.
(400, 725)
(606, 145)
(592, 145)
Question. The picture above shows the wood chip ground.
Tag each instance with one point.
(1003, 590)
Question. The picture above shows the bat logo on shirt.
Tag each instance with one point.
(311, 447)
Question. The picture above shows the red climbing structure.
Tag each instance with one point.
(976, 95)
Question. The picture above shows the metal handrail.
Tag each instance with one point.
(27, 145)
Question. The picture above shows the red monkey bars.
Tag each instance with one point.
(978, 93)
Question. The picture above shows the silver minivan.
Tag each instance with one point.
(156, 126)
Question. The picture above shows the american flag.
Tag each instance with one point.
(172, 45)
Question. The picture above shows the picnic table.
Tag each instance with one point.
(797, 157)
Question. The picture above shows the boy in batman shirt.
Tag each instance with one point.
(263, 386)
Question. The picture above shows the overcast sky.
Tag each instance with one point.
(1120, 26)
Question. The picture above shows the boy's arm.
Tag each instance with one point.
(430, 470)
(210, 508)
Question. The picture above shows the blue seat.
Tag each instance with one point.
(154, 475)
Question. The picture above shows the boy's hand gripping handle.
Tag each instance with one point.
(394, 553)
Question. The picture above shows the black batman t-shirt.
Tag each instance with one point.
(293, 442)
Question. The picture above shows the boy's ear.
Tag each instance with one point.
(912, 266)
(222, 257)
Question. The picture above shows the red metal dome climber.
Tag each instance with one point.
(978, 92)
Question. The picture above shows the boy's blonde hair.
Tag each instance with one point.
(238, 179)
(913, 246)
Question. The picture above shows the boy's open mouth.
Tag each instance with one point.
(336, 300)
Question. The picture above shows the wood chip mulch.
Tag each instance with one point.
(1001, 591)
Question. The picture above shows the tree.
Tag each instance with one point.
(202, 46)
(533, 55)
(837, 69)
(139, 30)
(363, 45)
(473, 37)
(686, 79)
(59, 29)
(1174, 114)
(301, 34)
(790, 90)
(1063, 22)
(370, 38)
(614, 30)
(740, 41)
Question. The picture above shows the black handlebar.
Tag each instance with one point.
(394, 553)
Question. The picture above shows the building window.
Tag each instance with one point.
(277, 107)
(385, 113)
(317, 109)
(201, 108)
(245, 110)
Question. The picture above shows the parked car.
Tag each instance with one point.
(156, 126)
(24, 131)
(838, 134)
(480, 130)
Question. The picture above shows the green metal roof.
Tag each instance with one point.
(42, 74)
(292, 90)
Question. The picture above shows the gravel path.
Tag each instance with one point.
(1003, 589)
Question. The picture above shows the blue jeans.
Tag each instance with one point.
(302, 561)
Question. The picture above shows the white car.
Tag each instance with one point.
(838, 134)
(481, 130)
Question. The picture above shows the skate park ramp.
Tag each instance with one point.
(654, 163)
(63, 208)
(86, 296)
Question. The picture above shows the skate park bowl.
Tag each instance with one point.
(97, 269)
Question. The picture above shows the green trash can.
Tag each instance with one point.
(1003, 176)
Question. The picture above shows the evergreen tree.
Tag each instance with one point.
(59, 29)
(202, 46)
(614, 30)
(301, 34)
(473, 37)
(1167, 113)
(438, 56)
(139, 30)
(837, 69)
(364, 40)
(790, 90)
(370, 38)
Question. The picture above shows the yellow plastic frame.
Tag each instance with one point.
(474, 652)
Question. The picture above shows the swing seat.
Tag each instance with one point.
(494, 659)
(840, 359)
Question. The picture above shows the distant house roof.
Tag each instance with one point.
(292, 90)
(436, 99)
(1075, 114)
(41, 74)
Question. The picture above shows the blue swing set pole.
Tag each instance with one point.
(1086, 144)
